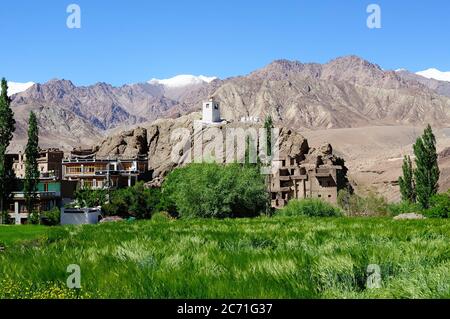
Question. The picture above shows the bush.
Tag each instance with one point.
(440, 206)
(369, 205)
(34, 218)
(309, 207)
(212, 190)
(161, 217)
(403, 207)
(4, 218)
(51, 217)
(136, 201)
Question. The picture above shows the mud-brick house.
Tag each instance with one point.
(49, 163)
(307, 173)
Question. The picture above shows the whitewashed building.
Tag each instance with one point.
(211, 111)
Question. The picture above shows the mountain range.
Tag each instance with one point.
(347, 92)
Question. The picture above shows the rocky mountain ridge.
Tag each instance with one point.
(346, 92)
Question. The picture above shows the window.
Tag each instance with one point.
(319, 195)
(73, 170)
(89, 169)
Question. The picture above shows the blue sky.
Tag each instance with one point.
(135, 40)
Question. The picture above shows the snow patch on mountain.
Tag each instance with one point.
(435, 74)
(183, 80)
(15, 87)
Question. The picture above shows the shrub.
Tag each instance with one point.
(352, 204)
(403, 207)
(213, 190)
(136, 201)
(309, 207)
(52, 217)
(440, 206)
(143, 201)
(4, 218)
(161, 216)
(34, 218)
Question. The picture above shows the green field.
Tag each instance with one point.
(282, 257)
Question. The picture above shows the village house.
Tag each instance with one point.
(296, 179)
(95, 172)
(51, 192)
(49, 163)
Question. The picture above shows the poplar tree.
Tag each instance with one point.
(406, 182)
(426, 174)
(268, 125)
(31, 164)
(7, 127)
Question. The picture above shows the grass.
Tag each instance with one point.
(14, 234)
(281, 257)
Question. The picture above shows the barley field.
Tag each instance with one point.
(279, 257)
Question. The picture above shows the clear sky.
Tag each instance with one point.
(135, 40)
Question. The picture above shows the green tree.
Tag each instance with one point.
(7, 127)
(213, 190)
(406, 182)
(31, 164)
(268, 125)
(426, 174)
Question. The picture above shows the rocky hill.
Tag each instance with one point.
(157, 141)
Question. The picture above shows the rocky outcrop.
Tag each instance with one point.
(322, 155)
(129, 144)
(444, 154)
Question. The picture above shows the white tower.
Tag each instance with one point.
(211, 111)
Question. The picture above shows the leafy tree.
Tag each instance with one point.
(7, 127)
(137, 201)
(406, 182)
(268, 125)
(86, 197)
(213, 190)
(426, 174)
(31, 164)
